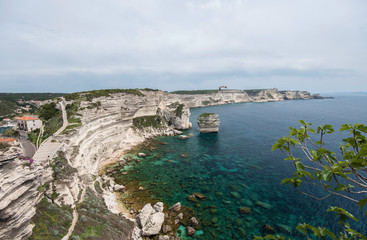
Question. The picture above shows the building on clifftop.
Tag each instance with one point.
(28, 123)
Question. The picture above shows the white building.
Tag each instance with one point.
(28, 123)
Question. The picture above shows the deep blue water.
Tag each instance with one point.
(236, 168)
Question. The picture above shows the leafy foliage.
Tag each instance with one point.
(346, 177)
(7, 107)
(10, 132)
(47, 111)
(4, 146)
(179, 110)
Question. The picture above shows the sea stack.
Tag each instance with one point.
(208, 122)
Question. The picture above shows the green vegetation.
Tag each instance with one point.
(61, 167)
(33, 136)
(204, 115)
(4, 146)
(51, 221)
(7, 107)
(269, 96)
(148, 121)
(73, 119)
(205, 103)
(253, 92)
(89, 95)
(179, 110)
(344, 177)
(47, 111)
(10, 132)
(52, 119)
(97, 222)
(195, 91)
(13, 97)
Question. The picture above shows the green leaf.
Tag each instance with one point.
(343, 214)
(345, 127)
(340, 187)
(362, 202)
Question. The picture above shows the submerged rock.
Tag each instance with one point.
(190, 231)
(183, 137)
(244, 210)
(208, 122)
(199, 195)
(193, 221)
(263, 205)
(268, 229)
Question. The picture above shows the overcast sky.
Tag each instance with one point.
(76, 45)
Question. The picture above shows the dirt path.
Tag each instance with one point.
(75, 215)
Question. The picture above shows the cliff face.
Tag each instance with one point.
(19, 182)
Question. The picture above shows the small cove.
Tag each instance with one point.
(236, 168)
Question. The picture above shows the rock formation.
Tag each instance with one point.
(19, 182)
(208, 122)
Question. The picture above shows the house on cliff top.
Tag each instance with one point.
(28, 123)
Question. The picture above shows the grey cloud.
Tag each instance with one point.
(178, 44)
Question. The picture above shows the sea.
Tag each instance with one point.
(236, 168)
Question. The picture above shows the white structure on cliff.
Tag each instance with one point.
(28, 123)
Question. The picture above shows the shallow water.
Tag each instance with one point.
(236, 168)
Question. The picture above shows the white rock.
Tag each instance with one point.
(176, 207)
(144, 214)
(158, 207)
(153, 224)
(142, 155)
(118, 187)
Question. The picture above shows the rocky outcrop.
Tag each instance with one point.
(19, 182)
(150, 220)
(208, 122)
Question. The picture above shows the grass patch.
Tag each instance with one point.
(51, 221)
(89, 95)
(61, 167)
(97, 222)
(204, 115)
(179, 110)
(148, 121)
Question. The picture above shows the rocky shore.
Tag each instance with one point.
(110, 125)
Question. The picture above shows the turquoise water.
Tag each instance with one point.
(236, 168)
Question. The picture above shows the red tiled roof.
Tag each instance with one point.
(27, 118)
(7, 139)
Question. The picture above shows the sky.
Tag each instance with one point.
(79, 45)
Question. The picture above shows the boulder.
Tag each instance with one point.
(166, 228)
(176, 207)
(193, 221)
(142, 155)
(163, 237)
(199, 195)
(144, 214)
(208, 122)
(118, 188)
(158, 207)
(192, 198)
(190, 231)
(153, 225)
(180, 216)
(183, 137)
(268, 229)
